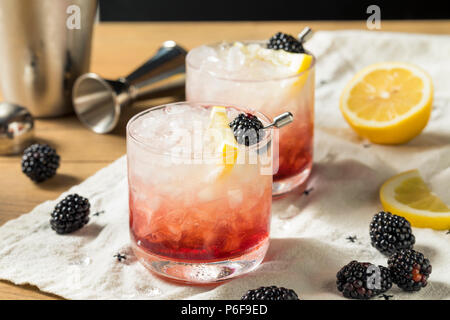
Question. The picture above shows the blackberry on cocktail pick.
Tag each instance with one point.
(70, 214)
(409, 269)
(286, 42)
(363, 280)
(270, 293)
(389, 233)
(40, 162)
(248, 129)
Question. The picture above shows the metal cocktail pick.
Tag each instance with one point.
(281, 120)
(98, 102)
(305, 35)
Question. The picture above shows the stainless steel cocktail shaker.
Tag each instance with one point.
(44, 46)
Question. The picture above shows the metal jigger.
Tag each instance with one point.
(16, 128)
(98, 102)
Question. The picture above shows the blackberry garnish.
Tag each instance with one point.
(357, 281)
(286, 42)
(71, 214)
(40, 162)
(390, 233)
(247, 129)
(409, 269)
(270, 293)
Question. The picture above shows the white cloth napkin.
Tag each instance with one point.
(308, 235)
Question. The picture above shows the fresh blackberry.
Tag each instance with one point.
(247, 129)
(390, 233)
(286, 42)
(40, 162)
(409, 269)
(357, 281)
(70, 214)
(270, 293)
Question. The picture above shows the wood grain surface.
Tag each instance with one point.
(117, 49)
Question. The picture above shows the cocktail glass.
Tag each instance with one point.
(269, 95)
(191, 218)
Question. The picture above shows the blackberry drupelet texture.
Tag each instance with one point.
(40, 162)
(70, 214)
(286, 42)
(390, 233)
(247, 129)
(354, 278)
(270, 293)
(409, 269)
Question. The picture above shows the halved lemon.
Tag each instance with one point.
(407, 195)
(389, 102)
(224, 139)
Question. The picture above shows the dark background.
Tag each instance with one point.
(198, 10)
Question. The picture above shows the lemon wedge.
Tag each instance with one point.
(407, 195)
(224, 139)
(388, 103)
(291, 63)
(294, 62)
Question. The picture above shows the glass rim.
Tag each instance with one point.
(233, 79)
(209, 155)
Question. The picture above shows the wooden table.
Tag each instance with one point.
(117, 49)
